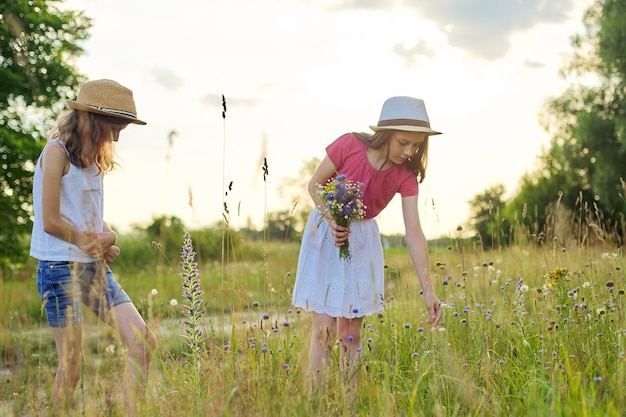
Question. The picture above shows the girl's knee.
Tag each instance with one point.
(150, 341)
(350, 337)
(145, 340)
(323, 335)
(74, 377)
(349, 331)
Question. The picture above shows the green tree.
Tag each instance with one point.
(38, 47)
(555, 179)
(586, 160)
(279, 226)
(488, 217)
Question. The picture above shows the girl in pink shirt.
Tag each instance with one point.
(339, 293)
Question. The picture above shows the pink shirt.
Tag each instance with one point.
(349, 155)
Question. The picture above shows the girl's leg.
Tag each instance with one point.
(323, 334)
(68, 342)
(140, 342)
(349, 332)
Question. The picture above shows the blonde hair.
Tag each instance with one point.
(82, 130)
(417, 163)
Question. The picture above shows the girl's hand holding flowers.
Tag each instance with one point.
(344, 204)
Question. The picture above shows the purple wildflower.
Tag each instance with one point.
(192, 329)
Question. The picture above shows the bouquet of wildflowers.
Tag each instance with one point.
(344, 202)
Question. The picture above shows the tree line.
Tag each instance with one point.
(576, 191)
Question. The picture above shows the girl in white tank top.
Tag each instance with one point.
(73, 243)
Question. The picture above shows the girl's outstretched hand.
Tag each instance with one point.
(433, 305)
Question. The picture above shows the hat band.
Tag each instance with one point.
(399, 122)
(121, 112)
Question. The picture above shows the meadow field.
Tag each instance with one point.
(535, 329)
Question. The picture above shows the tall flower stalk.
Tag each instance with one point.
(193, 331)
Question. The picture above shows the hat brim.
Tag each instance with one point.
(79, 106)
(406, 128)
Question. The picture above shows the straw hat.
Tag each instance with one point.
(106, 97)
(404, 113)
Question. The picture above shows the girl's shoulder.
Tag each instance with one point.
(349, 140)
(346, 144)
(57, 145)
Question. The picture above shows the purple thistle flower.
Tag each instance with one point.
(192, 329)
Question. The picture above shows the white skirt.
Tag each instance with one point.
(329, 285)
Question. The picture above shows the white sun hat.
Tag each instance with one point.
(404, 113)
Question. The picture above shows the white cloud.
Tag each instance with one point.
(483, 28)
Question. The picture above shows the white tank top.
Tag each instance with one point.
(81, 205)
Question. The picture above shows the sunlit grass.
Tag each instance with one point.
(535, 329)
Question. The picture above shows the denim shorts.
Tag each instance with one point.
(65, 286)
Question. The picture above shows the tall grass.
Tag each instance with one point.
(534, 329)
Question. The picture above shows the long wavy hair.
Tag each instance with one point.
(82, 130)
(417, 163)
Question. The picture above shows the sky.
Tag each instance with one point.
(297, 74)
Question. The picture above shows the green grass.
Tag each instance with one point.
(508, 345)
